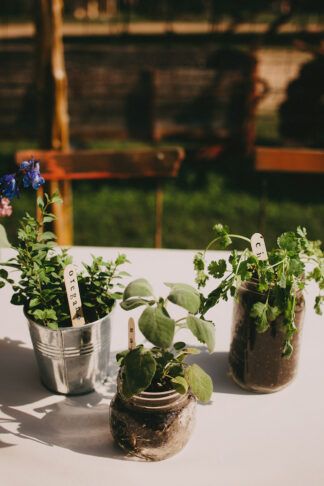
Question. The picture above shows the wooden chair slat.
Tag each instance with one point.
(106, 164)
(61, 167)
(289, 160)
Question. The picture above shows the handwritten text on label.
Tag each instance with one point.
(131, 333)
(73, 295)
(258, 246)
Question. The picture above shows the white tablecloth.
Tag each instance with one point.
(240, 438)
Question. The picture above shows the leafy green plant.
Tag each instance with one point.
(294, 263)
(40, 288)
(164, 365)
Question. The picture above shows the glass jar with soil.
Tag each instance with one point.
(255, 359)
(152, 425)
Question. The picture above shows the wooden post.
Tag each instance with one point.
(158, 214)
(51, 84)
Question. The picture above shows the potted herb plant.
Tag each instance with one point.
(71, 360)
(152, 413)
(269, 304)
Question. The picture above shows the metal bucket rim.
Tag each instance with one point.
(71, 328)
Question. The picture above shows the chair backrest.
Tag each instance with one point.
(289, 160)
(106, 164)
(61, 167)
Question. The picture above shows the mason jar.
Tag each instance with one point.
(255, 359)
(152, 425)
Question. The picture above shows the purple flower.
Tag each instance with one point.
(8, 186)
(32, 177)
(26, 164)
(28, 175)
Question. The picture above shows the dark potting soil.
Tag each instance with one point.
(151, 435)
(255, 359)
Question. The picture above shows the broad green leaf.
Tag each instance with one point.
(157, 327)
(180, 384)
(4, 243)
(185, 296)
(138, 288)
(204, 331)
(138, 371)
(120, 356)
(200, 383)
(132, 303)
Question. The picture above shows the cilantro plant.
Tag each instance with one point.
(164, 366)
(40, 288)
(295, 262)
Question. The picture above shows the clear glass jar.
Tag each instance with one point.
(152, 425)
(255, 359)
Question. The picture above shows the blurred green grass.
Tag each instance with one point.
(119, 213)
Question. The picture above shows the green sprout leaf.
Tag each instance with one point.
(204, 331)
(185, 296)
(138, 288)
(132, 303)
(180, 384)
(200, 383)
(138, 371)
(157, 327)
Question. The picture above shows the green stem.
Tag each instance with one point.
(239, 237)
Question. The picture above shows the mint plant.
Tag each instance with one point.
(40, 288)
(164, 365)
(294, 263)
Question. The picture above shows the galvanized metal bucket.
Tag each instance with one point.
(72, 360)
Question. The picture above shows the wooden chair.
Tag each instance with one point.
(289, 160)
(293, 160)
(62, 167)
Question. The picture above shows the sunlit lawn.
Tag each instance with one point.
(122, 214)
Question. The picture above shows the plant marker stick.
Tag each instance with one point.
(73, 295)
(258, 246)
(131, 334)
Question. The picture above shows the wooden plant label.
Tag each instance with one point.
(131, 334)
(258, 246)
(73, 295)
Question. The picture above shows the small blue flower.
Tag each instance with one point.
(38, 181)
(32, 177)
(26, 164)
(8, 186)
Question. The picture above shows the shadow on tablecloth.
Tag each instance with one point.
(216, 365)
(78, 423)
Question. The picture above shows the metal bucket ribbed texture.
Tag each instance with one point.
(72, 360)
